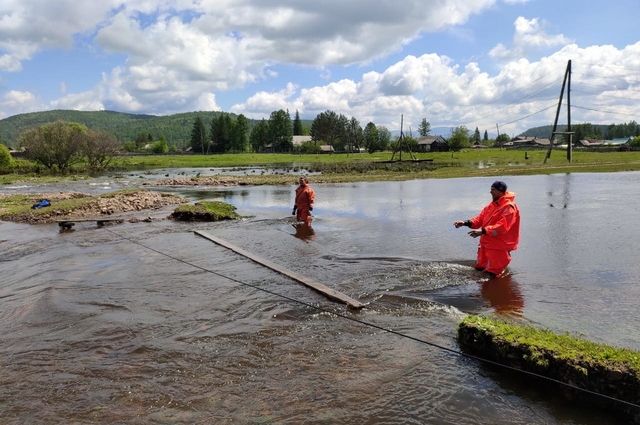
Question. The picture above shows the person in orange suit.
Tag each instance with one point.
(305, 195)
(498, 226)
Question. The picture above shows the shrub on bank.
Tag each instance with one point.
(6, 161)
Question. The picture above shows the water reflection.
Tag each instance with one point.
(566, 192)
(503, 295)
(304, 232)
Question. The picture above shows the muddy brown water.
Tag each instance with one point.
(100, 326)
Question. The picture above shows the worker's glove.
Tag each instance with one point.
(294, 211)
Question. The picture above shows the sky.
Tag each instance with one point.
(479, 63)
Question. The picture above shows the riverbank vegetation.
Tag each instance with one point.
(355, 167)
(205, 211)
(600, 368)
(20, 208)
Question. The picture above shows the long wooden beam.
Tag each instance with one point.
(323, 289)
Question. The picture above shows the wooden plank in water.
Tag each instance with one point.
(70, 222)
(323, 289)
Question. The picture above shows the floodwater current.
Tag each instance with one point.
(149, 323)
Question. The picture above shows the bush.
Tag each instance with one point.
(160, 146)
(6, 161)
(310, 147)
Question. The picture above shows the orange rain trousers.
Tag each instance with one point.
(305, 196)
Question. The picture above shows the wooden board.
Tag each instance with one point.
(323, 289)
(70, 222)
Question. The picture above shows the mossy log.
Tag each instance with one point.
(205, 211)
(606, 370)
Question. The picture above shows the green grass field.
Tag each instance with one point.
(364, 166)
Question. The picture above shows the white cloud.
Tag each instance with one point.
(28, 26)
(15, 101)
(261, 104)
(178, 49)
(86, 101)
(529, 35)
(434, 87)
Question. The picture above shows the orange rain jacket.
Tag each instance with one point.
(305, 196)
(501, 223)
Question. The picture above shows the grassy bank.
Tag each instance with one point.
(205, 211)
(18, 208)
(610, 371)
(366, 167)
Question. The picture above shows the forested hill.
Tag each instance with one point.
(599, 131)
(176, 128)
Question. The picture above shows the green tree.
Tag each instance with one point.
(281, 131)
(239, 132)
(370, 136)
(476, 137)
(502, 139)
(99, 148)
(325, 127)
(297, 125)
(198, 136)
(425, 127)
(459, 138)
(6, 161)
(384, 138)
(486, 136)
(259, 136)
(54, 145)
(221, 132)
(354, 135)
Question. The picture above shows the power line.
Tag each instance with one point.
(603, 111)
(521, 100)
(381, 328)
(529, 115)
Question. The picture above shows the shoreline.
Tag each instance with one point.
(350, 177)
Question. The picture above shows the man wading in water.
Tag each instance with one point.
(303, 206)
(498, 226)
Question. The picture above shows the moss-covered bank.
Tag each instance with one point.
(611, 371)
(205, 211)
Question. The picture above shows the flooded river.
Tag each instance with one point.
(149, 323)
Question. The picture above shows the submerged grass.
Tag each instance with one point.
(561, 346)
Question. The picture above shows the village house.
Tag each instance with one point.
(590, 143)
(300, 140)
(528, 142)
(432, 144)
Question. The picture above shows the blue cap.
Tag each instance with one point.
(499, 185)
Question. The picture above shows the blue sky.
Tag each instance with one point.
(476, 63)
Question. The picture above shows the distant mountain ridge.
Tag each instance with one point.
(175, 128)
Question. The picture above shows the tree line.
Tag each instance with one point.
(226, 133)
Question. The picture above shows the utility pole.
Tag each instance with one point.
(570, 133)
(567, 77)
(402, 142)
